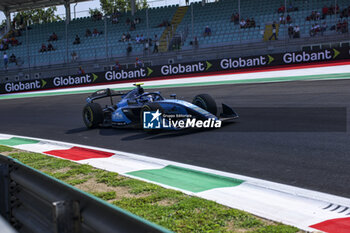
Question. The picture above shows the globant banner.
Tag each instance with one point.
(163, 71)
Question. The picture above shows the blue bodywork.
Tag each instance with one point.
(127, 112)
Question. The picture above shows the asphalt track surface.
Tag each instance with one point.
(292, 132)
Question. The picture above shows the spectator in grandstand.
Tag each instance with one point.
(243, 23)
(291, 31)
(142, 39)
(128, 49)
(323, 27)
(128, 36)
(288, 19)
(345, 13)
(312, 30)
(76, 40)
(344, 27)
(137, 20)
(81, 71)
(13, 59)
(207, 31)
(6, 40)
(291, 8)
(282, 9)
(50, 47)
(296, 31)
(97, 15)
(273, 31)
(132, 26)
(146, 46)
(137, 38)
(325, 12)
(232, 17)
(315, 28)
(14, 42)
(194, 43)
(115, 19)
(138, 63)
(53, 37)
(235, 18)
(318, 15)
(127, 21)
(88, 33)
(334, 10)
(252, 23)
(4, 45)
(43, 48)
(177, 43)
(156, 44)
(96, 32)
(6, 60)
(123, 39)
(247, 23)
(313, 15)
(282, 19)
(74, 56)
(117, 66)
(339, 26)
(308, 18)
(165, 23)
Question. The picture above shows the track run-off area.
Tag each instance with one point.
(292, 130)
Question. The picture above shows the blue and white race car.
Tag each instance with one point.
(149, 110)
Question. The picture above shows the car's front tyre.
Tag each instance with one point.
(205, 102)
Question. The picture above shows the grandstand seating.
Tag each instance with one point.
(216, 15)
(91, 47)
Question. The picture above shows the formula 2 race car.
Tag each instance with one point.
(149, 110)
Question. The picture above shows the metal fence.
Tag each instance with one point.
(34, 202)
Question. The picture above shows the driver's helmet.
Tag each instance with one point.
(149, 98)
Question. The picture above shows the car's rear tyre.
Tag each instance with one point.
(92, 115)
(205, 102)
(149, 107)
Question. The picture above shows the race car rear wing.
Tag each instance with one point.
(100, 94)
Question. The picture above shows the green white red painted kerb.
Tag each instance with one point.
(305, 209)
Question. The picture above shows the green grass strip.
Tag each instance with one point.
(17, 141)
(5, 149)
(186, 179)
(169, 208)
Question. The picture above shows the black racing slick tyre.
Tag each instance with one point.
(205, 102)
(149, 107)
(92, 115)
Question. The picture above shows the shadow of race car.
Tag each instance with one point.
(150, 110)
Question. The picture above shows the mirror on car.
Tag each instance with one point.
(173, 96)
